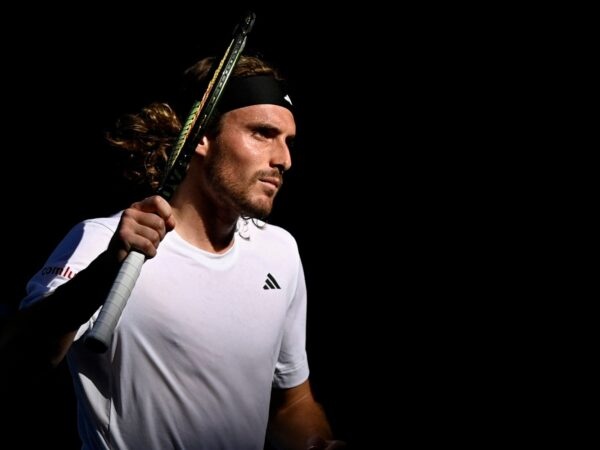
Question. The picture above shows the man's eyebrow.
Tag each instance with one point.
(268, 126)
(263, 124)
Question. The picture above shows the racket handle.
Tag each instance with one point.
(99, 336)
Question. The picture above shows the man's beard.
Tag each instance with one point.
(236, 193)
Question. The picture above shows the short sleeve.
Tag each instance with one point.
(291, 368)
(75, 252)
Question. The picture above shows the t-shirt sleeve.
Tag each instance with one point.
(76, 251)
(291, 368)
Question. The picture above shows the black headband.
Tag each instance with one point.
(254, 90)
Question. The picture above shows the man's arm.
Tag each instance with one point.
(38, 337)
(297, 421)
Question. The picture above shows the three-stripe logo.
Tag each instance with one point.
(271, 282)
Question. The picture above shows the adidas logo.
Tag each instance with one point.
(271, 282)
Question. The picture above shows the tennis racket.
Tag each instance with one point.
(99, 336)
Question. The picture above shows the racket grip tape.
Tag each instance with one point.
(98, 338)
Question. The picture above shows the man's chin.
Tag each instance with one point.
(258, 210)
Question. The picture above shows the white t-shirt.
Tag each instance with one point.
(199, 345)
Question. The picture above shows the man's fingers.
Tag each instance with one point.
(143, 226)
(155, 204)
(136, 221)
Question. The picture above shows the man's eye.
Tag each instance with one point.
(265, 132)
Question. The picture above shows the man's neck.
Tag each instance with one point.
(202, 225)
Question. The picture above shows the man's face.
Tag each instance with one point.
(244, 162)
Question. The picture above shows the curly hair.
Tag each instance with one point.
(148, 136)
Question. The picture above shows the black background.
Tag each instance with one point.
(381, 197)
(68, 79)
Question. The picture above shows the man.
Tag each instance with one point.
(210, 349)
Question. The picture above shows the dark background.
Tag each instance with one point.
(68, 80)
(386, 198)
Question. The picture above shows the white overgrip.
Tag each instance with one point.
(99, 336)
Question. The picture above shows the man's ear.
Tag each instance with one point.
(202, 147)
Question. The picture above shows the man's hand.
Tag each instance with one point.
(143, 225)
